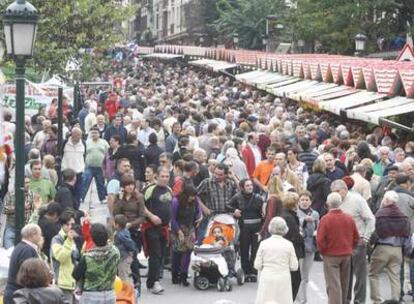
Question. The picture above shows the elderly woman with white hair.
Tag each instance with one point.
(393, 230)
(235, 164)
(222, 156)
(383, 162)
(275, 259)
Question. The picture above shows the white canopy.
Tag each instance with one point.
(275, 79)
(295, 87)
(362, 113)
(337, 104)
(215, 65)
(249, 77)
(318, 87)
(163, 56)
(391, 107)
(273, 87)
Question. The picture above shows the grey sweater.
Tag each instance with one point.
(357, 207)
(308, 228)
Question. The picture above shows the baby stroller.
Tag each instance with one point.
(215, 265)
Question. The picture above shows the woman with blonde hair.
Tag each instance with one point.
(274, 203)
(289, 179)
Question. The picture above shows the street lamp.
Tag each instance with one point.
(235, 41)
(20, 24)
(269, 32)
(301, 45)
(264, 42)
(360, 40)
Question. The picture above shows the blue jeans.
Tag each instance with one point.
(98, 297)
(9, 237)
(88, 175)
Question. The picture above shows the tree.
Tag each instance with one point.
(334, 23)
(68, 26)
(247, 18)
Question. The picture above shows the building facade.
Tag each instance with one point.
(129, 27)
(170, 21)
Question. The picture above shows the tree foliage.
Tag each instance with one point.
(330, 24)
(67, 26)
(247, 18)
(334, 23)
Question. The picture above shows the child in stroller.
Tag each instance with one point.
(214, 261)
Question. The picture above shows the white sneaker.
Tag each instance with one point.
(157, 288)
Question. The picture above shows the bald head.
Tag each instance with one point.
(76, 135)
(200, 155)
(46, 124)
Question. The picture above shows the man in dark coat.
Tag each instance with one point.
(26, 249)
(117, 128)
(135, 153)
(153, 151)
(65, 195)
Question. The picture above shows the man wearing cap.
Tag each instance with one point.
(357, 207)
(252, 120)
(387, 183)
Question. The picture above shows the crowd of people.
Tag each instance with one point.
(172, 146)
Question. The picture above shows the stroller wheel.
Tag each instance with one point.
(227, 285)
(221, 284)
(201, 283)
(240, 277)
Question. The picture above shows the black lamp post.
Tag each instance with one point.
(301, 45)
(360, 41)
(265, 42)
(235, 41)
(20, 25)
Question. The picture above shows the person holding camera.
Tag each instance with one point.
(65, 255)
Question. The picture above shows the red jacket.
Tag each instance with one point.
(249, 159)
(263, 144)
(112, 106)
(337, 234)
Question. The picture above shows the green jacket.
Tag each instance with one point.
(64, 256)
(97, 268)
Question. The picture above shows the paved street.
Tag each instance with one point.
(240, 295)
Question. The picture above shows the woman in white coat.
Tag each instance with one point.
(275, 260)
